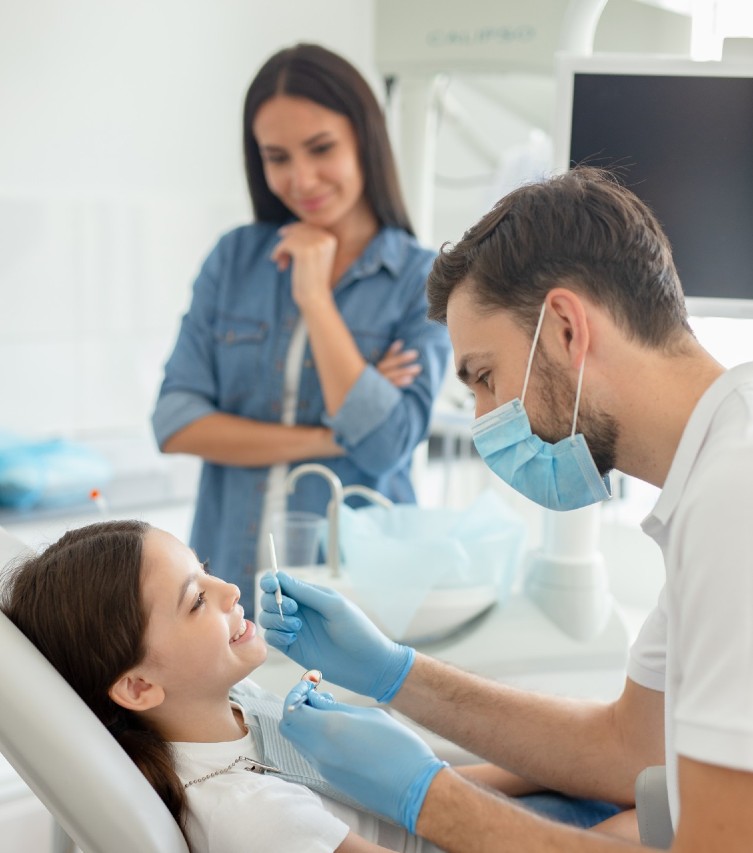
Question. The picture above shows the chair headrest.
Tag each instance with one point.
(68, 758)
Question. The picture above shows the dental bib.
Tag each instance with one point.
(278, 756)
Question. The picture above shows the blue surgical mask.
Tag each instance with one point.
(559, 476)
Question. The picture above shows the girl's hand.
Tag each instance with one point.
(311, 251)
(399, 366)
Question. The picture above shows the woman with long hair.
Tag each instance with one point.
(307, 337)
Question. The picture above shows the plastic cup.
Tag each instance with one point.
(297, 536)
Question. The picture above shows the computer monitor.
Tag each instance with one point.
(680, 135)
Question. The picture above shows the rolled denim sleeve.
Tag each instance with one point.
(176, 410)
(189, 388)
(379, 424)
(369, 403)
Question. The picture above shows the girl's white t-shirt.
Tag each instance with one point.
(239, 811)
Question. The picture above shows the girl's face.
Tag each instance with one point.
(310, 157)
(196, 633)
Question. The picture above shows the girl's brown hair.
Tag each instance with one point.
(79, 603)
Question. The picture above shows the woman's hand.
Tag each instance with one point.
(399, 366)
(311, 251)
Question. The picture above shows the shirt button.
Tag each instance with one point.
(279, 365)
(303, 405)
(275, 407)
(229, 336)
(308, 363)
(261, 486)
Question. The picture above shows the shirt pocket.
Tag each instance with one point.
(241, 345)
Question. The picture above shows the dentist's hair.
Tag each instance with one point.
(79, 602)
(312, 72)
(581, 230)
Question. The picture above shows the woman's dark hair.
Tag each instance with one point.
(581, 230)
(312, 72)
(79, 603)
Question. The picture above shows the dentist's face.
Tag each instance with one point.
(310, 157)
(491, 354)
(490, 351)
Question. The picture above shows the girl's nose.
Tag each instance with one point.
(232, 595)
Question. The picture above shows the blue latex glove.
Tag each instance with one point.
(323, 630)
(363, 752)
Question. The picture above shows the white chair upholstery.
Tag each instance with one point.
(67, 757)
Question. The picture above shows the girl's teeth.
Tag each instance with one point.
(240, 633)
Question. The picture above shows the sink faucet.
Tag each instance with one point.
(333, 507)
(370, 494)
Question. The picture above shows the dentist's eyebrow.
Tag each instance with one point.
(464, 371)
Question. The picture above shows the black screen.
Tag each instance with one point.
(684, 144)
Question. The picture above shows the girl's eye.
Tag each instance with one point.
(322, 149)
(199, 602)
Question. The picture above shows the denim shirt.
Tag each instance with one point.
(230, 357)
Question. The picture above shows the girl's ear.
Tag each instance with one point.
(134, 693)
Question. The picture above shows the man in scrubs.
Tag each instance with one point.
(568, 323)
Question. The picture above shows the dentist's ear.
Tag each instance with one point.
(570, 313)
(134, 693)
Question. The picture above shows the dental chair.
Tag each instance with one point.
(95, 793)
(652, 808)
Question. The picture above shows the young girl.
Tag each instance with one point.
(160, 651)
(307, 337)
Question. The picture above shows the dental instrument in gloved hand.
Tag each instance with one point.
(322, 628)
(362, 751)
(278, 593)
(312, 677)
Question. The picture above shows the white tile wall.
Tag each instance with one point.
(96, 288)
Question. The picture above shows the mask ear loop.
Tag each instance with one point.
(533, 350)
(577, 396)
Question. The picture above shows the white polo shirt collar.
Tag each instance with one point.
(690, 445)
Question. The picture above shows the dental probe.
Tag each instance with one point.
(278, 591)
(315, 677)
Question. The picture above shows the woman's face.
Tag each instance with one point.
(310, 157)
(196, 633)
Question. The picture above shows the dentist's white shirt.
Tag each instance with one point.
(697, 645)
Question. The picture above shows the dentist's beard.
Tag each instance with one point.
(556, 391)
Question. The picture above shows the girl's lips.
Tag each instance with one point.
(249, 633)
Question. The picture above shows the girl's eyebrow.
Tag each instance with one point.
(192, 578)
